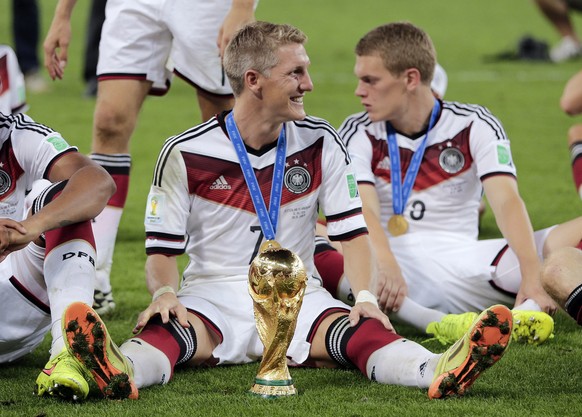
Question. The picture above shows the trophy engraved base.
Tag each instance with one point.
(273, 388)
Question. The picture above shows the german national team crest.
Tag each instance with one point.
(5, 182)
(451, 160)
(297, 179)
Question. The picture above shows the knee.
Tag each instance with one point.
(112, 127)
(551, 272)
(561, 273)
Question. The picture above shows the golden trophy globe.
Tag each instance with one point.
(277, 282)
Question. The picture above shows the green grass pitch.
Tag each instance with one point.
(529, 381)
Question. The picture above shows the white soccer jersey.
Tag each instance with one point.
(12, 88)
(199, 201)
(27, 152)
(466, 145)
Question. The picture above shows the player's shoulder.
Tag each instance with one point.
(193, 135)
(315, 124)
(17, 124)
(473, 110)
(353, 124)
(474, 113)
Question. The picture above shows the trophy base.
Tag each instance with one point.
(273, 388)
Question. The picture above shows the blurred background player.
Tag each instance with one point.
(558, 14)
(12, 87)
(440, 82)
(26, 34)
(138, 41)
(92, 38)
(571, 104)
(47, 259)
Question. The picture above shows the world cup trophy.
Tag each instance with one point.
(277, 281)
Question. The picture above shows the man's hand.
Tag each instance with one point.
(13, 236)
(165, 305)
(390, 287)
(539, 295)
(239, 15)
(369, 310)
(56, 47)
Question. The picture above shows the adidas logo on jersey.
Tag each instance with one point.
(220, 184)
(384, 164)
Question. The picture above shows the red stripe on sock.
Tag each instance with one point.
(367, 339)
(77, 231)
(122, 182)
(330, 265)
(162, 340)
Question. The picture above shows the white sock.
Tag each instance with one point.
(70, 276)
(529, 305)
(344, 291)
(150, 365)
(105, 228)
(58, 343)
(402, 362)
(416, 315)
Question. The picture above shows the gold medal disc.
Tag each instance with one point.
(397, 225)
(269, 244)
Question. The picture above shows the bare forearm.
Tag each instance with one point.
(358, 263)
(83, 198)
(162, 271)
(515, 226)
(64, 9)
(243, 4)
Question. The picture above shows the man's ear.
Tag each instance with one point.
(412, 78)
(253, 80)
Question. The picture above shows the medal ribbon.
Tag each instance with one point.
(267, 219)
(401, 191)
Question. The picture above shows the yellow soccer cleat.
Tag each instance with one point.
(532, 327)
(451, 327)
(480, 348)
(65, 377)
(88, 340)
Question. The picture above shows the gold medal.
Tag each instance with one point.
(269, 244)
(397, 225)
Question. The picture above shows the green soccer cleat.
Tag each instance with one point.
(480, 348)
(451, 327)
(532, 327)
(65, 377)
(88, 340)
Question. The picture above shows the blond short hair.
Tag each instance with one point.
(255, 47)
(401, 46)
